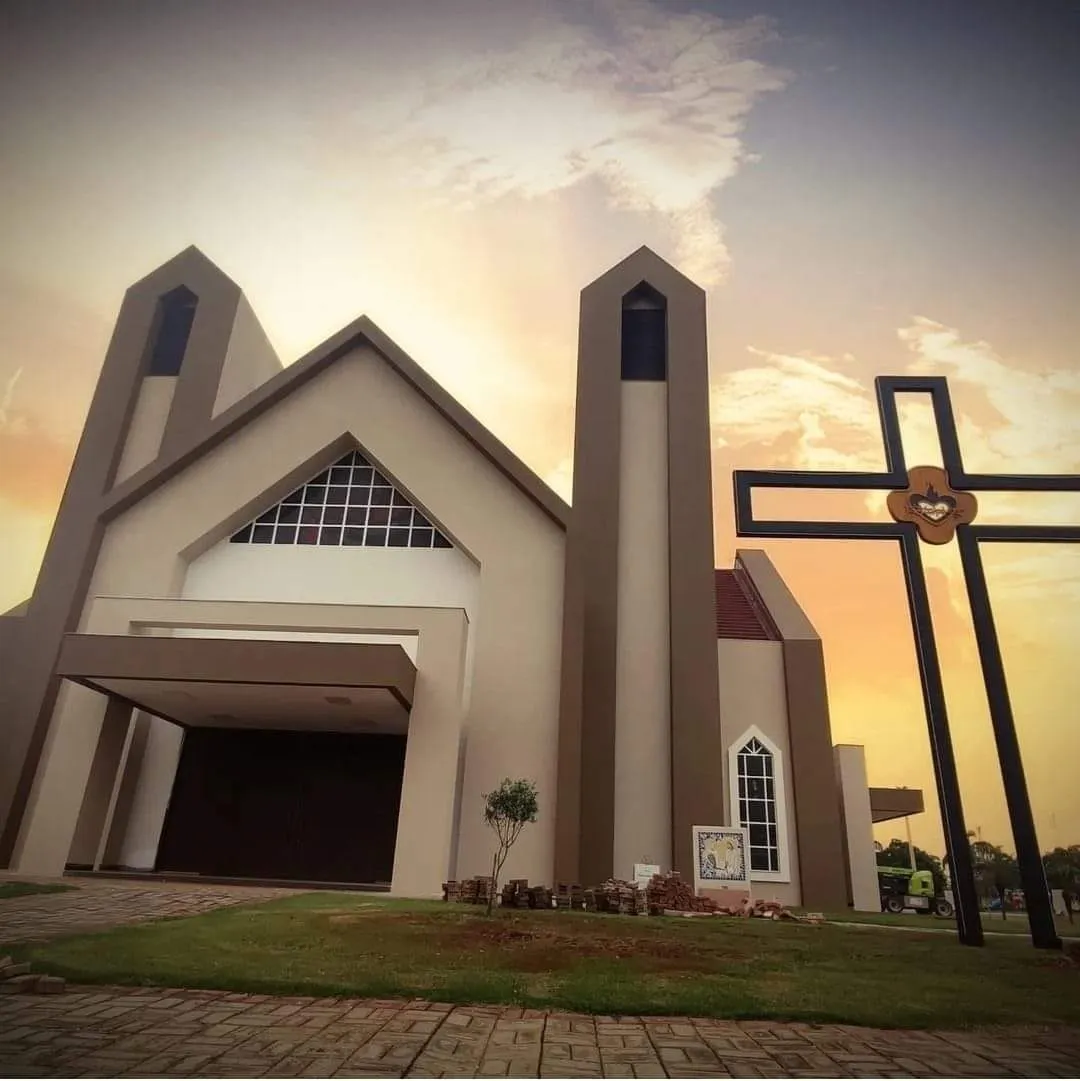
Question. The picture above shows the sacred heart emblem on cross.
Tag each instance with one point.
(932, 505)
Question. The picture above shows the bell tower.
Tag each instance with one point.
(640, 749)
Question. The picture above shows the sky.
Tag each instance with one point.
(862, 187)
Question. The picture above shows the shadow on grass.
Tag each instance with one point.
(28, 889)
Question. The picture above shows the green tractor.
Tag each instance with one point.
(902, 888)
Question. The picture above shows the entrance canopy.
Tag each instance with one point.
(889, 803)
(249, 683)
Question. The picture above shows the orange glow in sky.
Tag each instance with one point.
(460, 174)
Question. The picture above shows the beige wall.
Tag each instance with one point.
(643, 636)
(858, 827)
(429, 796)
(147, 424)
(94, 816)
(48, 827)
(155, 773)
(512, 721)
(753, 696)
(310, 574)
(249, 361)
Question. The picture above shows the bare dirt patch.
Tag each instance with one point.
(551, 947)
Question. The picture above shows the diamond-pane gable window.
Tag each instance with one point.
(757, 805)
(351, 503)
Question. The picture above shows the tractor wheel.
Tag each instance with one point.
(895, 905)
(944, 908)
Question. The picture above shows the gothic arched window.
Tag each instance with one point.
(758, 804)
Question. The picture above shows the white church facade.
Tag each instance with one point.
(292, 623)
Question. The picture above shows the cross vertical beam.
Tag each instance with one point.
(907, 533)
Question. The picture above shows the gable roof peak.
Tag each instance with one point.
(361, 331)
(190, 267)
(644, 265)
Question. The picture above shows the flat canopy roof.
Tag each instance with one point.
(256, 683)
(889, 803)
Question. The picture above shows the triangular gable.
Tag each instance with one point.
(362, 332)
(351, 504)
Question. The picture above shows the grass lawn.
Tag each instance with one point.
(27, 889)
(342, 944)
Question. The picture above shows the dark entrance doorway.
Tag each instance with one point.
(308, 806)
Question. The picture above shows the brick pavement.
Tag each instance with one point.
(141, 1032)
(100, 903)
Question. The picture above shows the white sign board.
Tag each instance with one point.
(643, 873)
(721, 858)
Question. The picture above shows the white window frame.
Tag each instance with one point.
(780, 793)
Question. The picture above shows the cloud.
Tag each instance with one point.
(826, 419)
(1037, 429)
(831, 421)
(35, 464)
(7, 419)
(648, 102)
(810, 415)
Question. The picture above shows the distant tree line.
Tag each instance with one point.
(996, 870)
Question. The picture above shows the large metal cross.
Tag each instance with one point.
(936, 505)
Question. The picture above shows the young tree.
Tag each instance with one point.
(508, 810)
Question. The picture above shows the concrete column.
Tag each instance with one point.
(130, 771)
(105, 769)
(858, 827)
(643, 660)
(150, 801)
(424, 845)
(52, 811)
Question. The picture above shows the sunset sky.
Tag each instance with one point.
(863, 187)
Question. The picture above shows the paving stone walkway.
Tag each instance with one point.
(100, 903)
(139, 1032)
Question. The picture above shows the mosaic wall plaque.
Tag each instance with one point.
(721, 858)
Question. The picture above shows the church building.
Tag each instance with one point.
(293, 623)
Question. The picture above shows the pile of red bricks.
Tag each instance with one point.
(470, 891)
(672, 893)
(569, 896)
(617, 895)
(517, 893)
(17, 979)
(665, 893)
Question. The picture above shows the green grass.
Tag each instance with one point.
(342, 944)
(28, 889)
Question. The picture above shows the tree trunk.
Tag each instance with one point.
(494, 881)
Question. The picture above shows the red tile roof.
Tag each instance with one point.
(737, 616)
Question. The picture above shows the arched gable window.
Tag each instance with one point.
(755, 771)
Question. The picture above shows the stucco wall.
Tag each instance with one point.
(753, 695)
(147, 424)
(643, 641)
(512, 720)
(309, 574)
(249, 361)
(858, 827)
